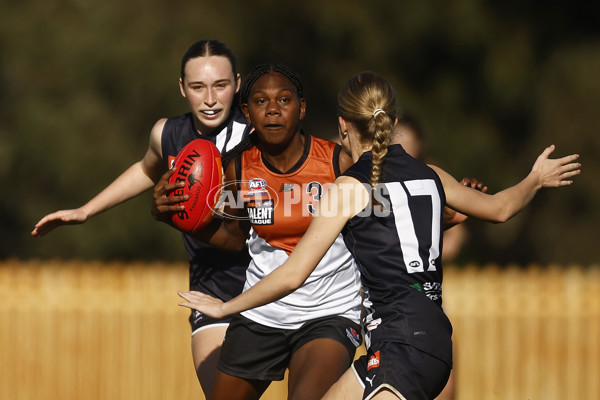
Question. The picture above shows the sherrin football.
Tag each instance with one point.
(198, 164)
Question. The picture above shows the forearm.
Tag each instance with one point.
(272, 287)
(129, 184)
(513, 199)
(218, 234)
(292, 274)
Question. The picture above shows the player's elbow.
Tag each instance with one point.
(503, 215)
(291, 282)
(237, 246)
(296, 282)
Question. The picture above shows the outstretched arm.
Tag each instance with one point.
(135, 180)
(344, 199)
(503, 205)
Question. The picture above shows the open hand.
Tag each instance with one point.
(59, 218)
(556, 172)
(203, 303)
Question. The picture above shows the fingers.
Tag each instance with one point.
(167, 188)
(569, 169)
(201, 302)
(548, 150)
(474, 183)
(569, 159)
(193, 296)
(190, 295)
(37, 229)
(165, 177)
(56, 219)
(561, 175)
(164, 189)
(41, 230)
(164, 205)
(556, 172)
(571, 172)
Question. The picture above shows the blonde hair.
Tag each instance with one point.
(368, 100)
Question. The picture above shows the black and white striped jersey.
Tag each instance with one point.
(217, 272)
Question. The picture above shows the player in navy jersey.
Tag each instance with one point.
(389, 207)
(210, 82)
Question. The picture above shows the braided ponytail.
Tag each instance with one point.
(368, 101)
(381, 141)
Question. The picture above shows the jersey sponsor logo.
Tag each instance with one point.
(261, 214)
(262, 196)
(374, 324)
(433, 290)
(257, 184)
(259, 204)
(197, 316)
(370, 380)
(287, 187)
(374, 361)
(353, 336)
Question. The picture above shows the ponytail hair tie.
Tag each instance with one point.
(377, 112)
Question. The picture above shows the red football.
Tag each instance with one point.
(198, 164)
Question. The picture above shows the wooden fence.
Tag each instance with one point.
(71, 330)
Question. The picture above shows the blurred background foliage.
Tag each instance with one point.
(493, 83)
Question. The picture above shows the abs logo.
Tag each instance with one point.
(374, 361)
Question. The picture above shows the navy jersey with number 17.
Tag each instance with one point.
(398, 249)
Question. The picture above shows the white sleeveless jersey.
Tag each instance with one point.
(333, 288)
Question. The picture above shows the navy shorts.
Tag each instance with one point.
(257, 352)
(199, 321)
(403, 369)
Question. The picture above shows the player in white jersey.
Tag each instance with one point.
(315, 331)
(389, 208)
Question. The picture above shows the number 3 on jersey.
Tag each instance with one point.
(404, 222)
(314, 190)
